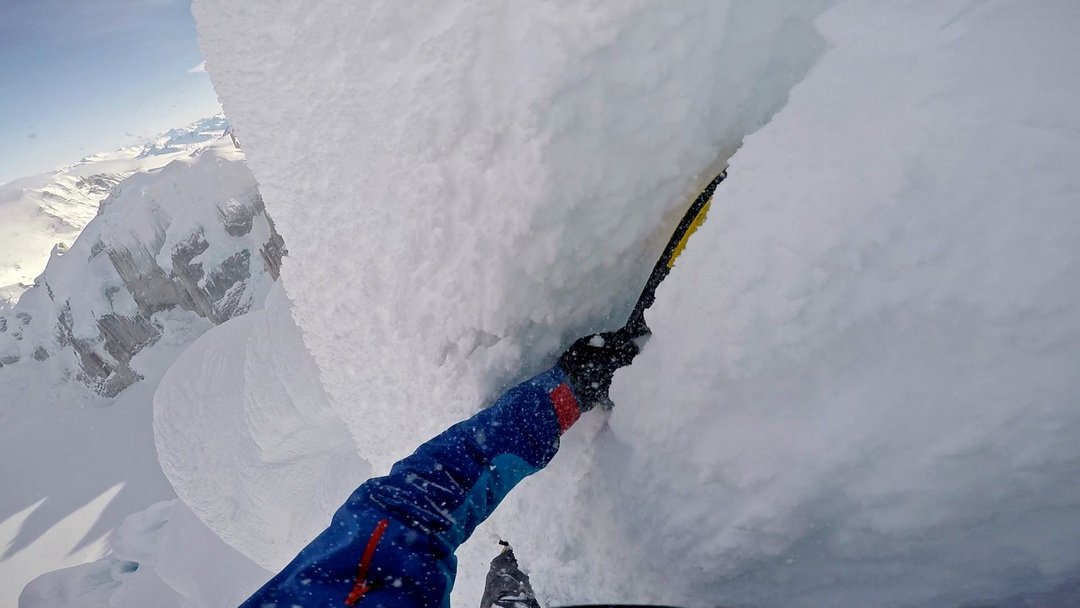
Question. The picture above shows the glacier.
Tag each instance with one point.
(861, 386)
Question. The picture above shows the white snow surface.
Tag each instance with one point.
(861, 390)
(161, 557)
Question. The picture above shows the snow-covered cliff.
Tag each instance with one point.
(191, 236)
(171, 252)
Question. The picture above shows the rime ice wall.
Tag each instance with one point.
(458, 196)
(859, 390)
(426, 162)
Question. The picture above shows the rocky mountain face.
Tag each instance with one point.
(188, 242)
(39, 211)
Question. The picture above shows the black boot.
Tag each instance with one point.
(507, 586)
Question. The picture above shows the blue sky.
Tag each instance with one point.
(85, 76)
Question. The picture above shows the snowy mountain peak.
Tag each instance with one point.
(186, 138)
(38, 211)
(192, 236)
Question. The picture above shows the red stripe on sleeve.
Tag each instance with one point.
(362, 586)
(566, 406)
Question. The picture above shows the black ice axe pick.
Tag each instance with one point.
(690, 221)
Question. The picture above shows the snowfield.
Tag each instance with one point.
(861, 389)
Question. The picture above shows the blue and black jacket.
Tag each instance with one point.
(392, 543)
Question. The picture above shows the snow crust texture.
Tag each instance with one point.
(861, 387)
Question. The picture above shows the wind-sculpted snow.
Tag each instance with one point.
(860, 390)
(248, 394)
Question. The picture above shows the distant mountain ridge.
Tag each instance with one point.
(184, 138)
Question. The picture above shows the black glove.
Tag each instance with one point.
(591, 361)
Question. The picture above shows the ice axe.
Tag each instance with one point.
(694, 216)
(590, 361)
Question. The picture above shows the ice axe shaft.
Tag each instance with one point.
(693, 218)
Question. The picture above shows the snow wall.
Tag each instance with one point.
(861, 389)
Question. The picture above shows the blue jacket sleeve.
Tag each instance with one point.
(392, 543)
